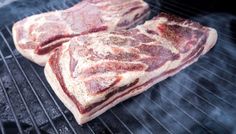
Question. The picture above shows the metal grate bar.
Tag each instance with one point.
(185, 13)
(193, 10)
(136, 118)
(43, 9)
(54, 8)
(189, 90)
(186, 88)
(217, 66)
(210, 91)
(231, 83)
(196, 107)
(222, 88)
(21, 96)
(218, 59)
(122, 122)
(51, 96)
(41, 81)
(117, 117)
(170, 115)
(71, 3)
(53, 99)
(2, 128)
(29, 83)
(73, 130)
(104, 124)
(60, 7)
(181, 13)
(205, 59)
(196, 95)
(172, 103)
(230, 44)
(163, 126)
(64, 5)
(11, 107)
(100, 118)
(204, 88)
(45, 87)
(225, 90)
(54, 119)
(229, 57)
(111, 110)
(91, 130)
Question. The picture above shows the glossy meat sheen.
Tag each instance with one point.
(92, 73)
(37, 36)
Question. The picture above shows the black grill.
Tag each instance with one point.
(199, 99)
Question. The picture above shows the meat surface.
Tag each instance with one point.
(35, 37)
(92, 73)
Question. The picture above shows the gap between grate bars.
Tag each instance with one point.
(39, 77)
(184, 11)
(112, 112)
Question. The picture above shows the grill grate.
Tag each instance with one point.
(193, 101)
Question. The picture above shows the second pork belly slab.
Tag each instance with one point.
(92, 73)
(35, 37)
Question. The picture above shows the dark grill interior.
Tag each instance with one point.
(199, 99)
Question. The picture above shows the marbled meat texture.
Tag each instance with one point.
(35, 37)
(92, 73)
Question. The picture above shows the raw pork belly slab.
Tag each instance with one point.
(37, 36)
(92, 73)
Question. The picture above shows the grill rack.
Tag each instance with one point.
(105, 126)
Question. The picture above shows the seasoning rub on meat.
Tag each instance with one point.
(94, 72)
(35, 37)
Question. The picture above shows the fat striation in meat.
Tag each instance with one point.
(92, 73)
(35, 37)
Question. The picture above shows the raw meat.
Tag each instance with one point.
(92, 73)
(37, 36)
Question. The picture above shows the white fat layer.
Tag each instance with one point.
(76, 85)
(35, 20)
(108, 16)
(82, 118)
(153, 24)
(78, 89)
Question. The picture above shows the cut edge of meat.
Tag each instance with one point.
(211, 40)
(83, 118)
(29, 53)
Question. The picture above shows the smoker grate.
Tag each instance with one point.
(199, 99)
